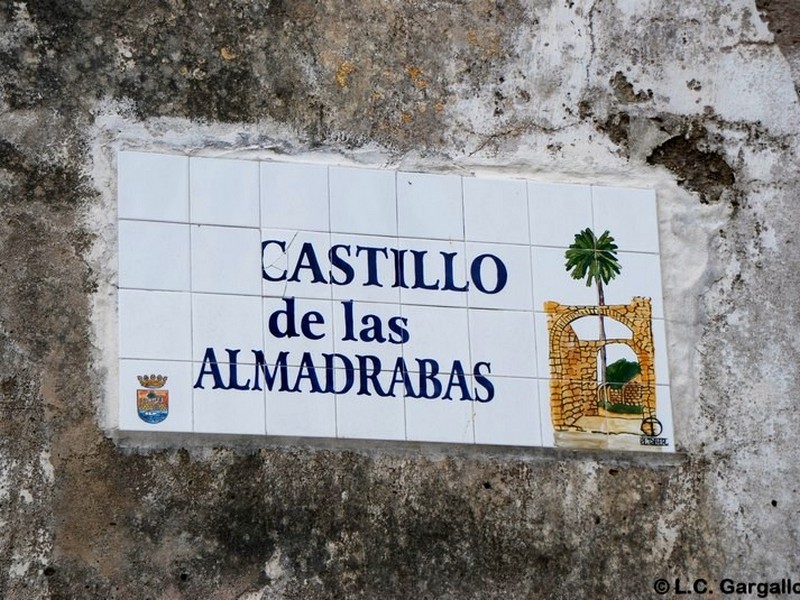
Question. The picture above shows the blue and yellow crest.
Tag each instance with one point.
(152, 403)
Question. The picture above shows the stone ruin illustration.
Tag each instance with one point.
(575, 393)
(590, 398)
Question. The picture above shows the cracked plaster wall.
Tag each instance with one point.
(697, 100)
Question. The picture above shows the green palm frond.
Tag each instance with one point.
(592, 258)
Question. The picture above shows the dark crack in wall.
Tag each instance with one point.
(703, 171)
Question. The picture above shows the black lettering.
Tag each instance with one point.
(368, 373)
(307, 370)
(373, 332)
(290, 329)
(372, 263)
(233, 383)
(308, 260)
(311, 318)
(210, 367)
(269, 377)
(449, 273)
(399, 268)
(419, 272)
(428, 370)
(349, 330)
(332, 373)
(400, 375)
(282, 245)
(457, 379)
(397, 325)
(475, 272)
(341, 264)
(483, 381)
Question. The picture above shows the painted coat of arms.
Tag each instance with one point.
(152, 403)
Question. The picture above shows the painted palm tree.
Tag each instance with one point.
(594, 259)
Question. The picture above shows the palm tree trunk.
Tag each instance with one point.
(603, 361)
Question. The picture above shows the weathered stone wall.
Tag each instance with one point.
(695, 99)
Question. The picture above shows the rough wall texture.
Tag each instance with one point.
(695, 99)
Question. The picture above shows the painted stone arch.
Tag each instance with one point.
(573, 361)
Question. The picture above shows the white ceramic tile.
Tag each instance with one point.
(427, 264)
(373, 263)
(441, 334)
(588, 328)
(369, 328)
(664, 415)
(629, 215)
(178, 387)
(660, 342)
(495, 210)
(500, 276)
(542, 345)
(297, 325)
(363, 201)
(504, 339)
(557, 212)
(640, 276)
(155, 325)
(511, 417)
(439, 420)
(224, 192)
(294, 196)
(225, 322)
(548, 433)
(153, 186)
(295, 263)
(552, 282)
(229, 411)
(226, 260)
(153, 255)
(370, 417)
(301, 414)
(429, 206)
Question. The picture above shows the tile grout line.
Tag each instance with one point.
(378, 302)
(368, 235)
(261, 279)
(400, 265)
(118, 290)
(529, 213)
(191, 282)
(330, 300)
(468, 307)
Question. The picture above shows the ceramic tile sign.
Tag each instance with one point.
(303, 300)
